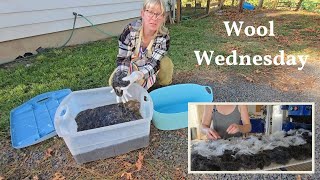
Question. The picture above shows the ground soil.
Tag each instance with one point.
(166, 157)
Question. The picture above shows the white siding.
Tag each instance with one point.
(21, 18)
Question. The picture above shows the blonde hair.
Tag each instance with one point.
(152, 3)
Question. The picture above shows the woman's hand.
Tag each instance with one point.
(233, 129)
(121, 82)
(211, 134)
(133, 77)
(117, 82)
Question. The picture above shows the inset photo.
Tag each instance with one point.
(251, 137)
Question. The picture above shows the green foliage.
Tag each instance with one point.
(311, 5)
(308, 5)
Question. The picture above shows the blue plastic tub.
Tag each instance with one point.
(32, 122)
(248, 6)
(171, 104)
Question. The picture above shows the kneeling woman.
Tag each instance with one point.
(143, 45)
(226, 121)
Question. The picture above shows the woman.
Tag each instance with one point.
(143, 45)
(226, 121)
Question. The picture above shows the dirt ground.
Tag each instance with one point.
(164, 158)
(166, 155)
(52, 159)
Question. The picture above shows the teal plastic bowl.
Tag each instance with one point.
(170, 104)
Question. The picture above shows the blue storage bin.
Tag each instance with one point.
(299, 110)
(257, 125)
(32, 122)
(248, 6)
(171, 104)
(287, 126)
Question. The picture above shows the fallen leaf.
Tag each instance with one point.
(48, 153)
(139, 161)
(285, 89)
(121, 156)
(181, 134)
(35, 177)
(58, 176)
(1, 178)
(179, 174)
(128, 175)
(249, 79)
(127, 164)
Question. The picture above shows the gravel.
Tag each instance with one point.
(167, 150)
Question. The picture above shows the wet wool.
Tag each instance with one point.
(107, 115)
(117, 82)
(231, 160)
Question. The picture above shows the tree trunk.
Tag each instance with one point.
(208, 7)
(299, 5)
(178, 11)
(260, 4)
(240, 5)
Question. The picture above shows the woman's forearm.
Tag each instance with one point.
(204, 129)
(245, 128)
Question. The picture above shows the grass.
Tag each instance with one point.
(81, 67)
(89, 65)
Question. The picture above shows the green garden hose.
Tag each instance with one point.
(92, 25)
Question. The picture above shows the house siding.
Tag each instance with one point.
(27, 25)
(20, 19)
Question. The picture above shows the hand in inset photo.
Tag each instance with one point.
(226, 121)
